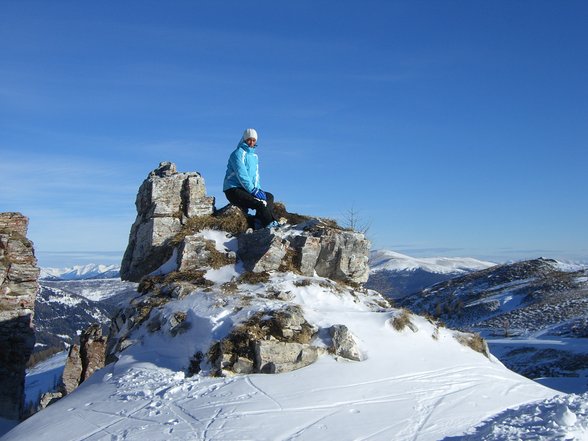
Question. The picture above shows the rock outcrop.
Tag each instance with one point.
(313, 246)
(272, 342)
(173, 251)
(18, 289)
(166, 200)
(85, 359)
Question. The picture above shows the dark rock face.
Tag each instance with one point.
(165, 201)
(18, 289)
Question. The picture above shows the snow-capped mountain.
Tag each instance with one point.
(396, 275)
(392, 261)
(81, 272)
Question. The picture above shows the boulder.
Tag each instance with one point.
(275, 357)
(344, 343)
(262, 250)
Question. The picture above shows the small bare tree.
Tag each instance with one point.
(353, 220)
(506, 327)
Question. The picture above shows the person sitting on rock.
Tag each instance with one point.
(241, 185)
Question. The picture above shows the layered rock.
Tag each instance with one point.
(18, 289)
(313, 246)
(85, 359)
(270, 342)
(165, 201)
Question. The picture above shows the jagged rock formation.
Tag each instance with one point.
(166, 203)
(166, 200)
(177, 255)
(85, 359)
(18, 289)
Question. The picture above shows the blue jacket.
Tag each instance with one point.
(242, 169)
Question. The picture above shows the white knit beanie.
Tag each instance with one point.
(249, 133)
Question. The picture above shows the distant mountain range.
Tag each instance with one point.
(81, 272)
(534, 315)
(65, 307)
(396, 275)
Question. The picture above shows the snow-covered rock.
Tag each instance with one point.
(189, 357)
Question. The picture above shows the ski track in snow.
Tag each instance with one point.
(226, 403)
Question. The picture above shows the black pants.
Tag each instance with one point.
(244, 200)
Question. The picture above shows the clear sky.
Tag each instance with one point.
(455, 128)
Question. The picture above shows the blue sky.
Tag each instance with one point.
(454, 128)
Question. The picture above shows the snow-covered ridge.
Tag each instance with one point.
(393, 261)
(81, 272)
(432, 385)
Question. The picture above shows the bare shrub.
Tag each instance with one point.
(232, 221)
(289, 262)
(473, 341)
(402, 320)
(216, 259)
(254, 278)
(292, 218)
(303, 282)
(154, 284)
(230, 287)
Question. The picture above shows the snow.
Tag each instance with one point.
(421, 385)
(44, 376)
(570, 267)
(224, 274)
(392, 261)
(223, 242)
(561, 418)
